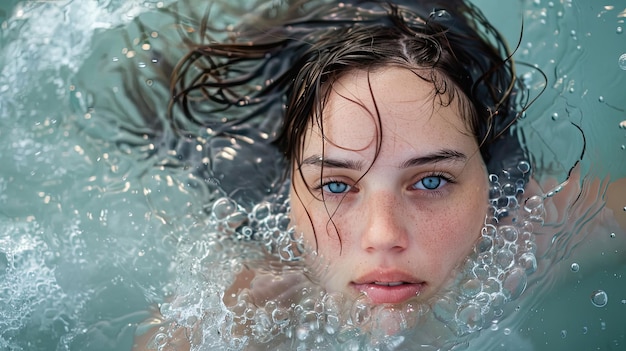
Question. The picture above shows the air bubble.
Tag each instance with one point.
(471, 288)
(504, 258)
(515, 283)
(523, 166)
(575, 267)
(622, 62)
(528, 261)
(599, 298)
(360, 312)
(445, 309)
(509, 233)
(223, 207)
(619, 30)
(471, 316)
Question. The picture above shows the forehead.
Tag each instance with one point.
(394, 102)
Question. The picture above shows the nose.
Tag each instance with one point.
(386, 225)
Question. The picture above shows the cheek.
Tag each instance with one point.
(458, 233)
(300, 219)
(311, 220)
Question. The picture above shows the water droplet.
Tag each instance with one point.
(440, 14)
(601, 99)
(619, 30)
(612, 235)
(555, 116)
(575, 267)
(523, 166)
(599, 298)
(622, 62)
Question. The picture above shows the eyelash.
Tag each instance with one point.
(320, 187)
(445, 177)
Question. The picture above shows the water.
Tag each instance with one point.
(97, 224)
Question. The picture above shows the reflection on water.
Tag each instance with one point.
(103, 212)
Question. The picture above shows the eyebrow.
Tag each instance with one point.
(444, 155)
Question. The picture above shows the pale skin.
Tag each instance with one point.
(407, 217)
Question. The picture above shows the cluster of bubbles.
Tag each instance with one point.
(494, 274)
(497, 271)
(36, 308)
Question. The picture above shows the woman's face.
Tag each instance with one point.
(396, 228)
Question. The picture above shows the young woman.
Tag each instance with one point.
(391, 116)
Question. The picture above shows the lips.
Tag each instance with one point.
(390, 287)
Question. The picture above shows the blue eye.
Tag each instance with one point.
(430, 183)
(336, 187)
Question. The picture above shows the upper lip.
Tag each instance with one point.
(387, 276)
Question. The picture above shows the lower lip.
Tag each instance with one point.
(381, 294)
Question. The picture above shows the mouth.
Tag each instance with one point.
(389, 284)
(390, 288)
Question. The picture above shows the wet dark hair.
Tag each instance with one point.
(275, 72)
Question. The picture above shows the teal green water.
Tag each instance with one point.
(90, 218)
